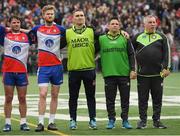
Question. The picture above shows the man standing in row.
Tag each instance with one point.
(81, 66)
(153, 60)
(16, 47)
(118, 66)
(48, 38)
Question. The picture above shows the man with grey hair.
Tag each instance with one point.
(153, 61)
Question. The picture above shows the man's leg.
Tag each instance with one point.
(21, 91)
(56, 79)
(54, 100)
(89, 81)
(43, 81)
(9, 93)
(74, 86)
(42, 103)
(9, 84)
(157, 93)
(53, 106)
(21, 86)
(41, 107)
(89, 85)
(124, 89)
(110, 93)
(143, 96)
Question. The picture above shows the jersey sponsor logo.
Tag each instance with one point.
(113, 42)
(16, 49)
(80, 42)
(49, 43)
(114, 50)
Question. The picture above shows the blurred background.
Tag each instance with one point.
(98, 13)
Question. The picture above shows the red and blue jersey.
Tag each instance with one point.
(48, 39)
(16, 47)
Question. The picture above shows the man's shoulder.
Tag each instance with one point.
(102, 35)
(90, 27)
(61, 28)
(2, 29)
(161, 34)
(138, 34)
(69, 28)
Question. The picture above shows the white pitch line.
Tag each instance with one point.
(32, 101)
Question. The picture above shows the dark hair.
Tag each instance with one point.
(15, 17)
(114, 18)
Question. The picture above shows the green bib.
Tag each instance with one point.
(81, 50)
(114, 57)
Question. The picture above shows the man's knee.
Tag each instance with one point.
(22, 99)
(9, 99)
(43, 95)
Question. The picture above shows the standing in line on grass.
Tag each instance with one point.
(118, 67)
(48, 37)
(81, 66)
(16, 47)
(153, 61)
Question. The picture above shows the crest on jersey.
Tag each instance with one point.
(144, 36)
(153, 36)
(16, 49)
(49, 43)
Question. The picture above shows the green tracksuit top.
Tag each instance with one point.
(117, 56)
(81, 50)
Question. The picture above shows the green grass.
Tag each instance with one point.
(171, 88)
(173, 129)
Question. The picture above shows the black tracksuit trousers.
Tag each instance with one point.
(154, 85)
(88, 78)
(113, 83)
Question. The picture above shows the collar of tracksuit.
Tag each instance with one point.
(149, 33)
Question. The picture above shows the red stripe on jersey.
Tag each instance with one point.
(47, 59)
(49, 30)
(13, 65)
(20, 37)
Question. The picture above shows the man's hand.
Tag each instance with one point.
(133, 75)
(125, 34)
(165, 73)
(8, 29)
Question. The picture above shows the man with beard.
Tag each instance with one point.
(16, 47)
(50, 69)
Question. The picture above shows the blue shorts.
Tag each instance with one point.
(52, 74)
(15, 79)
